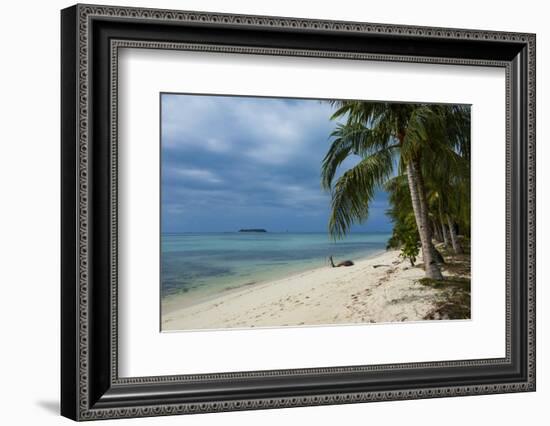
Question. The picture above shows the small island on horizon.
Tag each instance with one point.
(252, 230)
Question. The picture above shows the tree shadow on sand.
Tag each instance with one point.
(454, 301)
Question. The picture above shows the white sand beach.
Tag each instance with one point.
(383, 288)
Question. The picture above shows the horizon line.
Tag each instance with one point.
(270, 232)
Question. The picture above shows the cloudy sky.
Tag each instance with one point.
(238, 162)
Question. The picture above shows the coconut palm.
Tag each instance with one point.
(404, 233)
(383, 135)
(448, 175)
(401, 213)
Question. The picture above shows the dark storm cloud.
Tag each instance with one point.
(232, 162)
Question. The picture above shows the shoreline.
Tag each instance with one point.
(378, 288)
(168, 304)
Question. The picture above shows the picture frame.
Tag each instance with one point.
(90, 384)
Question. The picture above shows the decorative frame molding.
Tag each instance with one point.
(91, 37)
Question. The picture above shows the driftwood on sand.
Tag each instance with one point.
(344, 263)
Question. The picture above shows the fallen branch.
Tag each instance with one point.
(344, 263)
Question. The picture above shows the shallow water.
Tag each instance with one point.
(197, 266)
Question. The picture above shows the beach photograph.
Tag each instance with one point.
(287, 212)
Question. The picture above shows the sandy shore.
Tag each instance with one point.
(356, 294)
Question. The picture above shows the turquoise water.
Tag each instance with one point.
(198, 266)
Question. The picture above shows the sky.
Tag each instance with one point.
(246, 162)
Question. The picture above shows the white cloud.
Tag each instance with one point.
(267, 132)
(201, 175)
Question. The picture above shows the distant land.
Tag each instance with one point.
(252, 230)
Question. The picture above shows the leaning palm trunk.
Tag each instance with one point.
(445, 236)
(456, 245)
(437, 232)
(418, 200)
(443, 228)
(436, 256)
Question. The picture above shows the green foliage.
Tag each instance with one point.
(410, 247)
(355, 189)
(374, 131)
(385, 136)
(405, 235)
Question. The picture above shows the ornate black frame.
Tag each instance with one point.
(91, 37)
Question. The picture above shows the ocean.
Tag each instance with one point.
(196, 267)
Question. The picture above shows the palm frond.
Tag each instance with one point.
(355, 189)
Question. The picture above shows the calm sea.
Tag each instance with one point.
(195, 267)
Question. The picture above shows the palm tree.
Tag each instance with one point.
(405, 232)
(448, 174)
(381, 134)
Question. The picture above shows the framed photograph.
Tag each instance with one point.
(263, 212)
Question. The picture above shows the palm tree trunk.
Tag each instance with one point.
(437, 231)
(443, 229)
(418, 200)
(424, 212)
(445, 236)
(456, 245)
